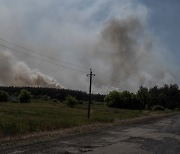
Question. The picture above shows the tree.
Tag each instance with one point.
(153, 97)
(135, 102)
(71, 101)
(143, 96)
(4, 97)
(126, 99)
(174, 96)
(113, 99)
(24, 96)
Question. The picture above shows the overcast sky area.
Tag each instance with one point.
(127, 43)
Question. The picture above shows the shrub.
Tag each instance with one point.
(71, 101)
(157, 107)
(13, 99)
(4, 97)
(80, 102)
(112, 99)
(55, 100)
(24, 96)
(45, 97)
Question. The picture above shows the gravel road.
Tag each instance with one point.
(160, 136)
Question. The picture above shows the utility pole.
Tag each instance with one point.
(89, 105)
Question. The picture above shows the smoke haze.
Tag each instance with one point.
(17, 73)
(126, 49)
(114, 38)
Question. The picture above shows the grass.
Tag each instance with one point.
(18, 118)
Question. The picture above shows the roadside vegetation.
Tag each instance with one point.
(25, 96)
(23, 112)
(71, 101)
(4, 97)
(41, 115)
(156, 98)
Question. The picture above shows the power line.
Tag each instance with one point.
(67, 67)
(86, 67)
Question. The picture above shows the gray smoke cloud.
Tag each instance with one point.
(123, 51)
(17, 73)
(114, 38)
(126, 52)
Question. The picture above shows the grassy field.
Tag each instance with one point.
(18, 118)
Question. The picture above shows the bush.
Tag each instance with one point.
(13, 99)
(55, 101)
(112, 99)
(24, 96)
(45, 97)
(4, 97)
(80, 102)
(71, 101)
(157, 107)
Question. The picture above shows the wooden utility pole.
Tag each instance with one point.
(89, 105)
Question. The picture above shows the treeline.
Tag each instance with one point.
(167, 96)
(53, 93)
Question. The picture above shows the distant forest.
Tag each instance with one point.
(53, 93)
(164, 97)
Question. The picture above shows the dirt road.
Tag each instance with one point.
(159, 136)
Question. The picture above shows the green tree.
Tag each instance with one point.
(143, 97)
(153, 97)
(113, 99)
(71, 101)
(126, 99)
(24, 96)
(135, 102)
(4, 97)
(174, 96)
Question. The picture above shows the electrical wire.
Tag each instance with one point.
(85, 67)
(67, 67)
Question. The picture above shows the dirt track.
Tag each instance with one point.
(155, 136)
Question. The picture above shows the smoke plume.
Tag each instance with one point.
(17, 73)
(126, 52)
(118, 39)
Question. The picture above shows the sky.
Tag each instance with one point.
(164, 22)
(81, 32)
